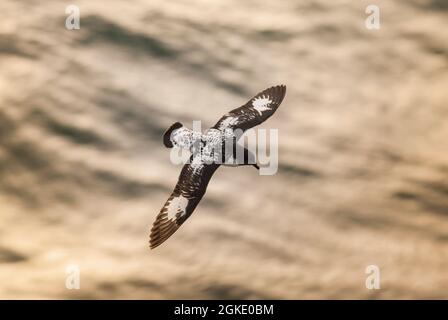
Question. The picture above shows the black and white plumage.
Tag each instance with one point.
(196, 174)
(254, 112)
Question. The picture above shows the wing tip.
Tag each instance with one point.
(156, 239)
(161, 230)
(152, 245)
(282, 86)
(279, 91)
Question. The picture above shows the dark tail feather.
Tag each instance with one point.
(167, 135)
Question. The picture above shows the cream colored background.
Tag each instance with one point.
(363, 176)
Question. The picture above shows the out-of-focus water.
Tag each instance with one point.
(363, 173)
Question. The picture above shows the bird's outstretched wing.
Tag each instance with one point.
(190, 188)
(254, 112)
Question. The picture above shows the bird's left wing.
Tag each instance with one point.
(190, 188)
(254, 112)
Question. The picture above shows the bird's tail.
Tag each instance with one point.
(167, 135)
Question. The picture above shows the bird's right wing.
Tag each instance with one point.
(254, 112)
(190, 188)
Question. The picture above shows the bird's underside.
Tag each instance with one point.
(209, 151)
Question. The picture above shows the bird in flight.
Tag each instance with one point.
(208, 153)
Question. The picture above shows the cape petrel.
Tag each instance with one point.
(196, 174)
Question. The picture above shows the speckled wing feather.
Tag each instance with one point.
(254, 112)
(189, 190)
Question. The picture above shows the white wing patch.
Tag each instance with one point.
(230, 121)
(178, 204)
(261, 104)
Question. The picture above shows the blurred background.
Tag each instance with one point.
(363, 172)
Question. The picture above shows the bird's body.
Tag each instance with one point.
(208, 152)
